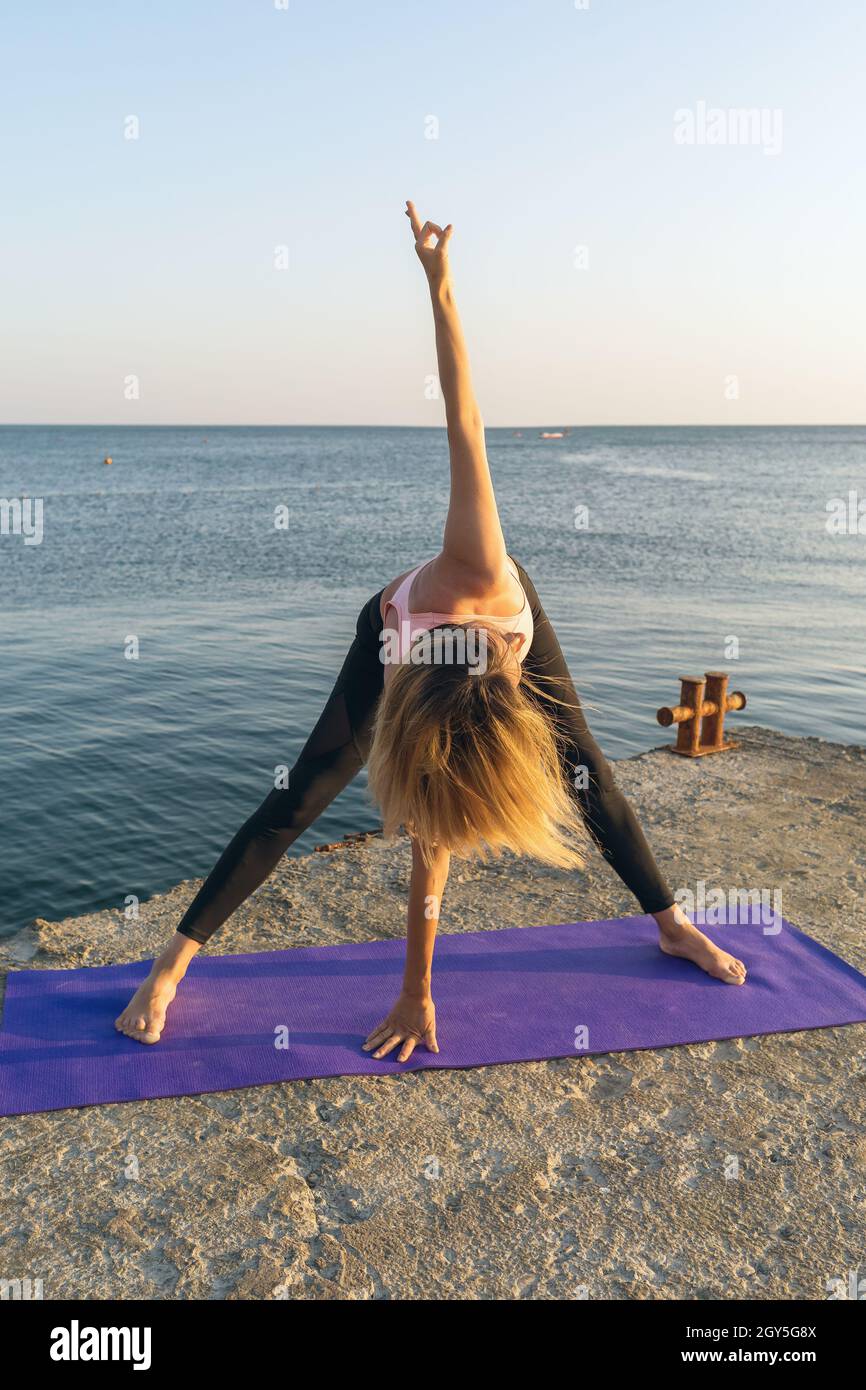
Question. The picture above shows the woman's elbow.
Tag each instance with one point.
(466, 422)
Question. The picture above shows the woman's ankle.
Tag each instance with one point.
(172, 963)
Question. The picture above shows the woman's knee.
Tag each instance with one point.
(310, 787)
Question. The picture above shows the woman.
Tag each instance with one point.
(456, 691)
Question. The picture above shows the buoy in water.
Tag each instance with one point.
(108, 460)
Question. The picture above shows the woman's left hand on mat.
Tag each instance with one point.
(412, 1020)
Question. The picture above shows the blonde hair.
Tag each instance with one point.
(465, 759)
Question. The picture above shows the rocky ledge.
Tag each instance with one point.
(597, 1177)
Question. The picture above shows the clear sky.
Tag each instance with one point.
(720, 283)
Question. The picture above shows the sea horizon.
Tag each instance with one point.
(252, 425)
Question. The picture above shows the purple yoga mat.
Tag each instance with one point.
(515, 995)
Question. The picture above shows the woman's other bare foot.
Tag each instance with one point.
(679, 937)
(144, 1016)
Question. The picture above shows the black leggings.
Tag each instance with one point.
(337, 749)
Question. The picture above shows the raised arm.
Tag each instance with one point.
(473, 534)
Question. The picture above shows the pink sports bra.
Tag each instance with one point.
(410, 624)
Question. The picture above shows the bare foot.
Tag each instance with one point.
(684, 939)
(144, 1016)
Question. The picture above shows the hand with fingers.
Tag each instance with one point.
(431, 244)
(411, 1021)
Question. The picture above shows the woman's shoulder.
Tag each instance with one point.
(444, 587)
(390, 589)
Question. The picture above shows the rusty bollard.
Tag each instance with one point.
(700, 714)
